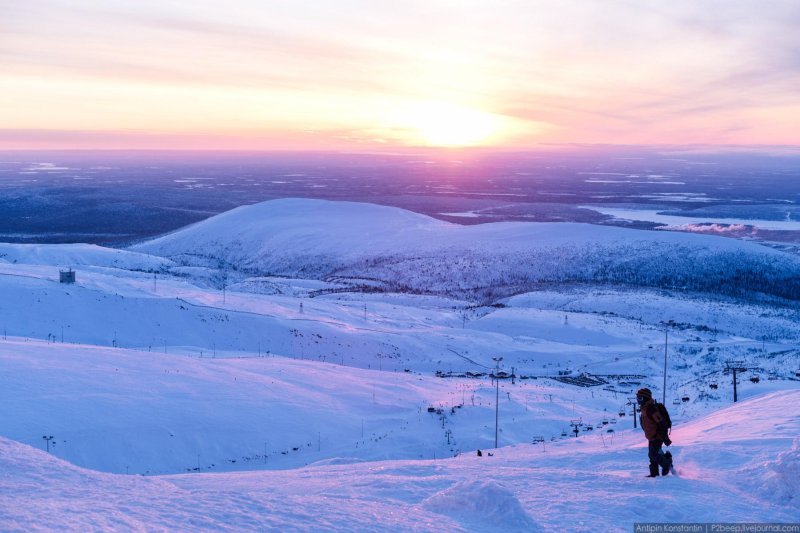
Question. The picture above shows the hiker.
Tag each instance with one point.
(655, 426)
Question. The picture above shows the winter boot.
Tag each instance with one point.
(653, 470)
(665, 469)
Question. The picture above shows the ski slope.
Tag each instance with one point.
(585, 484)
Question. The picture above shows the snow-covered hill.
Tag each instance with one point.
(587, 484)
(83, 255)
(392, 249)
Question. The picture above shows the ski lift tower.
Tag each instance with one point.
(633, 404)
(496, 396)
(732, 367)
(667, 324)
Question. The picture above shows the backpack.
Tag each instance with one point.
(662, 410)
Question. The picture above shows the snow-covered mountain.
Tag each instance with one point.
(392, 249)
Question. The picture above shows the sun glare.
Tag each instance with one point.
(450, 125)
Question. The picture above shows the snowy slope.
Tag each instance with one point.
(586, 484)
(73, 255)
(410, 252)
(175, 328)
(298, 413)
(130, 411)
(130, 309)
(600, 331)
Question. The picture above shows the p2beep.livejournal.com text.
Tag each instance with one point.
(658, 527)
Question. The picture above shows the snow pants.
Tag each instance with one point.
(657, 457)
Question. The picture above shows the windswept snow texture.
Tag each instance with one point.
(593, 483)
(404, 251)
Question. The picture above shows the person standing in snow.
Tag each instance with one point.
(655, 429)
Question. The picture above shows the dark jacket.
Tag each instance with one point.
(652, 422)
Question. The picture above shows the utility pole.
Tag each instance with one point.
(154, 282)
(496, 397)
(47, 440)
(667, 324)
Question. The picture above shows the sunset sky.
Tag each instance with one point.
(369, 74)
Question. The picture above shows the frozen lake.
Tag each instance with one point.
(656, 216)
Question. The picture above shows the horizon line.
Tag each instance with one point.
(405, 150)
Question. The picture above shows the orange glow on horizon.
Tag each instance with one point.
(264, 75)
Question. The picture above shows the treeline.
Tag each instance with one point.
(485, 276)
